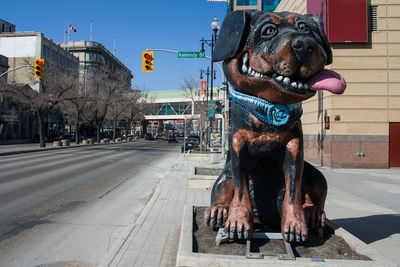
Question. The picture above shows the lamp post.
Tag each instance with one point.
(215, 25)
(207, 73)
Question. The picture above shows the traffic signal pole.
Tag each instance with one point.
(223, 82)
(17, 68)
(176, 52)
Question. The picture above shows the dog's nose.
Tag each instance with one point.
(302, 47)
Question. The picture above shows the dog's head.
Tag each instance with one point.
(279, 57)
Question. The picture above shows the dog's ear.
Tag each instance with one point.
(320, 28)
(232, 35)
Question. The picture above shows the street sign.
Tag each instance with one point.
(211, 109)
(191, 54)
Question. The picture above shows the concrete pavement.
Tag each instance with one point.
(362, 201)
(367, 213)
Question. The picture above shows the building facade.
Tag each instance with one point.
(253, 5)
(6, 27)
(361, 128)
(92, 56)
(22, 49)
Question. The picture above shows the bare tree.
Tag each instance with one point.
(135, 106)
(76, 107)
(52, 90)
(118, 104)
(103, 86)
(200, 106)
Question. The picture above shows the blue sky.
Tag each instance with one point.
(135, 25)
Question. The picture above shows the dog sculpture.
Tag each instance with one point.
(273, 61)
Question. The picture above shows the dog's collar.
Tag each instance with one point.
(269, 113)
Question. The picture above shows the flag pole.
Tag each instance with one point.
(68, 37)
(91, 30)
(114, 47)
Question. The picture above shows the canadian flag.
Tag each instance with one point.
(72, 28)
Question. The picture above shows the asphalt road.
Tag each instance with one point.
(71, 205)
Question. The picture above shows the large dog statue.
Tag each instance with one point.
(274, 61)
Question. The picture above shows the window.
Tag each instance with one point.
(90, 56)
(270, 5)
(344, 20)
(246, 2)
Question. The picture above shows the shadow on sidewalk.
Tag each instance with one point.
(371, 228)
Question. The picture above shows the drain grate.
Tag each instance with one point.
(68, 264)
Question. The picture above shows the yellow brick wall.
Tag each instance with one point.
(372, 72)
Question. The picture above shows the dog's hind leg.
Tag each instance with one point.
(314, 190)
(221, 197)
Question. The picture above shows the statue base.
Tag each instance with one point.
(336, 247)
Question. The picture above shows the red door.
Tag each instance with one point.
(394, 144)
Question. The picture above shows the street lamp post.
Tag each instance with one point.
(215, 25)
(207, 73)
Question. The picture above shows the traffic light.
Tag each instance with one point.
(39, 68)
(147, 61)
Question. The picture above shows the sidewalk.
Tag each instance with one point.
(153, 239)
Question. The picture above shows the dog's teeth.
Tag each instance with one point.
(274, 75)
(279, 78)
(286, 81)
(257, 75)
(293, 84)
(245, 58)
(250, 70)
(244, 68)
(300, 85)
(253, 72)
(306, 86)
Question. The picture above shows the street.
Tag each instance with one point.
(70, 205)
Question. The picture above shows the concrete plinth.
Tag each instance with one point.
(186, 256)
(215, 156)
(57, 143)
(65, 142)
(85, 142)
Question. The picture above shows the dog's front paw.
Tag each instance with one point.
(239, 222)
(315, 216)
(215, 216)
(293, 224)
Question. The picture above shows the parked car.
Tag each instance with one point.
(189, 144)
(172, 138)
(148, 136)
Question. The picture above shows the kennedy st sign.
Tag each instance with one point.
(191, 54)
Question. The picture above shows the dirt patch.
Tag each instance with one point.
(330, 246)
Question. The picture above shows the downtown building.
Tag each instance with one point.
(22, 49)
(252, 5)
(94, 61)
(361, 128)
(93, 56)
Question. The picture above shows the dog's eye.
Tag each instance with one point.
(268, 30)
(302, 26)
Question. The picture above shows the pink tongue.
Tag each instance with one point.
(328, 80)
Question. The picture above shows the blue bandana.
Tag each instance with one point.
(269, 113)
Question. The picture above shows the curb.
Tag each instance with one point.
(56, 148)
